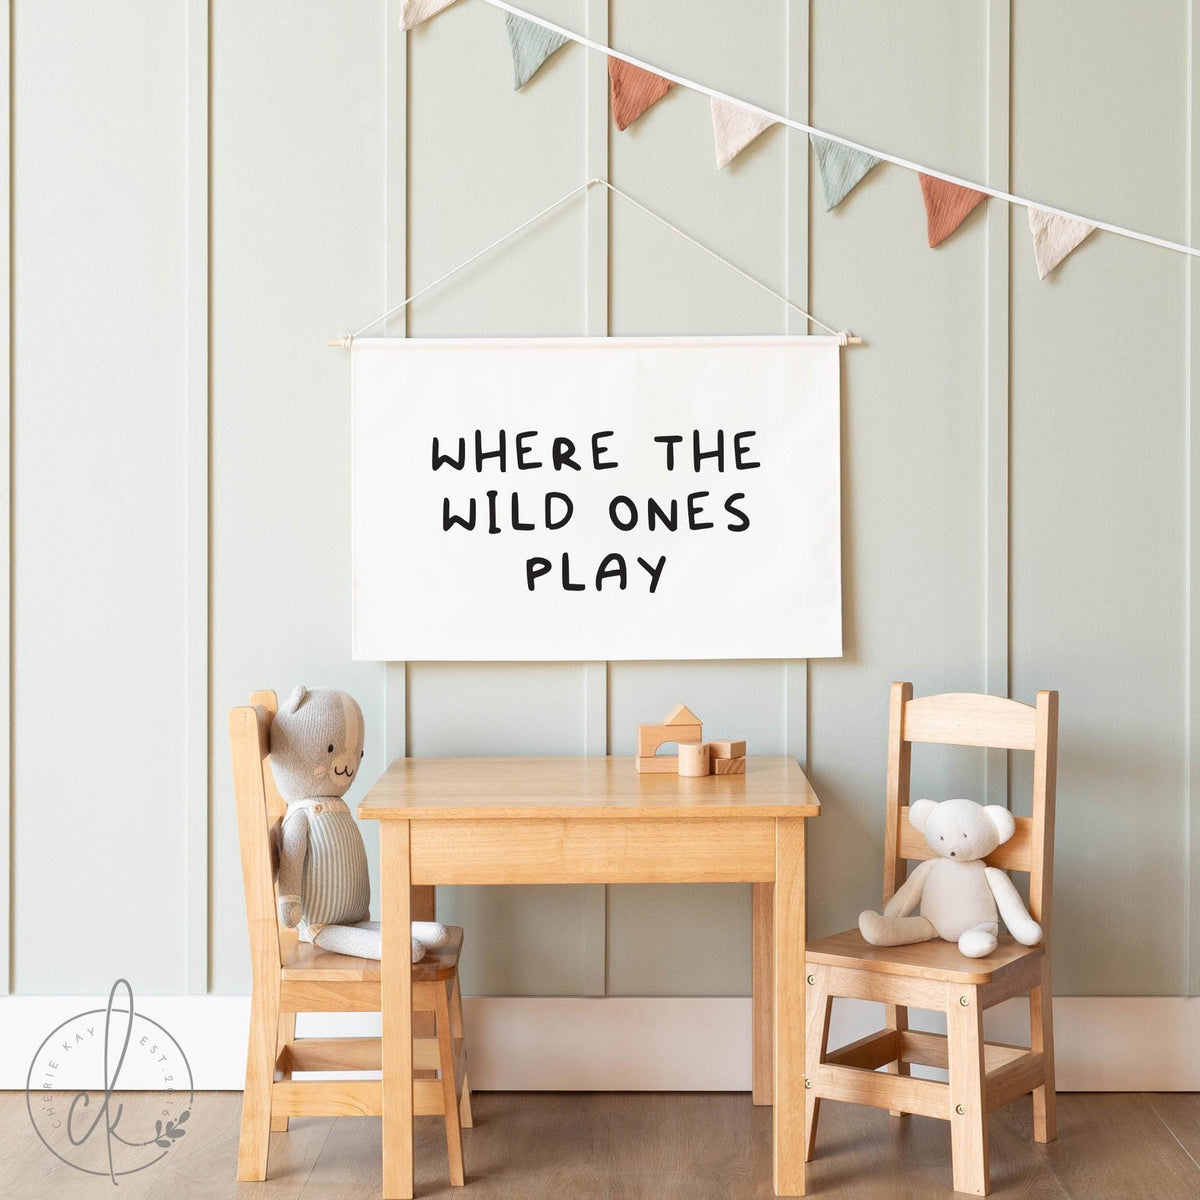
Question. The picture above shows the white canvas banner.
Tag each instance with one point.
(596, 498)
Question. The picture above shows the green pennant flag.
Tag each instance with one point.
(531, 46)
(842, 169)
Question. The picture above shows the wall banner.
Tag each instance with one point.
(596, 498)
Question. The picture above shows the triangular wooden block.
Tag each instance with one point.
(681, 715)
(946, 206)
(633, 91)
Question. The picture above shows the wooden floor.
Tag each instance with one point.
(692, 1146)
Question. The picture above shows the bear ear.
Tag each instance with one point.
(298, 695)
(1004, 821)
(919, 813)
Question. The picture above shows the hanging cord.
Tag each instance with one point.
(780, 119)
(346, 340)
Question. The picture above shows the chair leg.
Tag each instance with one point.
(896, 1017)
(255, 1139)
(968, 1116)
(287, 1035)
(466, 1119)
(818, 1005)
(1041, 1026)
(445, 1040)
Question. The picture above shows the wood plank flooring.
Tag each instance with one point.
(651, 1146)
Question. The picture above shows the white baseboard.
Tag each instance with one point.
(1102, 1043)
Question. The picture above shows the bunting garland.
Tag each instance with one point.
(633, 91)
(734, 128)
(842, 168)
(531, 45)
(635, 87)
(1054, 237)
(946, 207)
(413, 12)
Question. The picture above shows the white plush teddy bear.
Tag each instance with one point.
(958, 893)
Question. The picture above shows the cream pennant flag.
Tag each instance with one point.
(842, 168)
(531, 45)
(734, 128)
(413, 12)
(1054, 237)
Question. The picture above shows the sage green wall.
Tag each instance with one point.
(204, 191)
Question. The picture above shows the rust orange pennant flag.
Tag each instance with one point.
(946, 206)
(633, 91)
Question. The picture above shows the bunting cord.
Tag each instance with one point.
(346, 340)
(896, 160)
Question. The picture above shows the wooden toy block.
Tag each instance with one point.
(650, 737)
(729, 766)
(681, 715)
(694, 760)
(724, 749)
(664, 765)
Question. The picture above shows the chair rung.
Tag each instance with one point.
(925, 1097)
(869, 1052)
(334, 1098)
(1014, 1078)
(332, 1054)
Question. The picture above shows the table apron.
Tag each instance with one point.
(594, 850)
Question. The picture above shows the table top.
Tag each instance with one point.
(597, 787)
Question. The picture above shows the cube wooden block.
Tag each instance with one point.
(694, 760)
(650, 737)
(729, 766)
(722, 749)
(664, 765)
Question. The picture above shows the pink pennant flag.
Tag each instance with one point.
(633, 91)
(946, 206)
(413, 12)
(734, 128)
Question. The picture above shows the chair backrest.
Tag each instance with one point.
(968, 719)
(260, 811)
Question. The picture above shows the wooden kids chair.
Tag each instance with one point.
(934, 974)
(290, 976)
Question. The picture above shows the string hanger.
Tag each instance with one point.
(780, 119)
(845, 338)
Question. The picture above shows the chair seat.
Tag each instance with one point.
(937, 960)
(304, 961)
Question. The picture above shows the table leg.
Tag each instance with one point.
(762, 954)
(789, 1006)
(395, 917)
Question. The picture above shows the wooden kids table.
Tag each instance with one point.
(596, 820)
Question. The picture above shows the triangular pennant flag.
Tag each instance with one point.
(531, 46)
(633, 91)
(734, 128)
(842, 168)
(1054, 237)
(413, 12)
(946, 206)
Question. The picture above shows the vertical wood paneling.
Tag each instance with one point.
(195, 777)
(996, 401)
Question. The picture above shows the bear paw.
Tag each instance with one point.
(871, 926)
(976, 943)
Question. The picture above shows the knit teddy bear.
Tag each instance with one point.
(957, 891)
(316, 745)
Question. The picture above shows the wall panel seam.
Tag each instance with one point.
(1192, 516)
(997, 564)
(797, 258)
(198, 666)
(6, 478)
